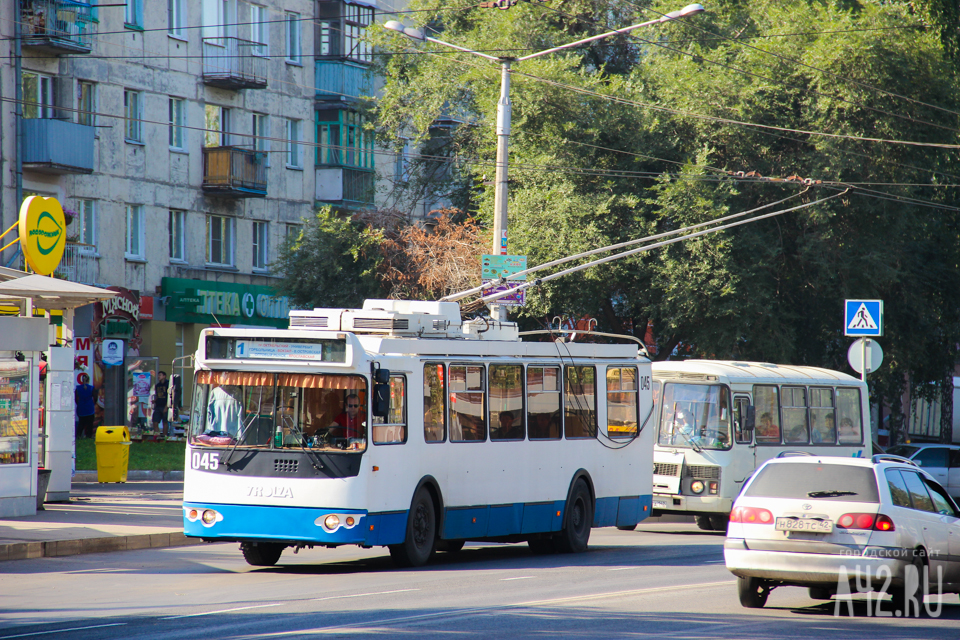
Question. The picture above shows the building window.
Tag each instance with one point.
(293, 144)
(133, 115)
(177, 241)
(356, 43)
(293, 37)
(261, 135)
(344, 36)
(37, 95)
(216, 126)
(401, 171)
(178, 120)
(291, 233)
(214, 17)
(176, 17)
(133, 15)
(86, 103)
(220, 241)
(260, 244)
(135, 232)
(86, 226)
(259, 30)
(343, 140)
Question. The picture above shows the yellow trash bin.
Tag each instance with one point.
(113, 454)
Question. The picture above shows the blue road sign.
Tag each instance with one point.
(863, 318)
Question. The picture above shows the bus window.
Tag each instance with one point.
(795, 415)
(580, 400)
(695, 415)
(848, 416)
(467, 411)
(622, 402)
(767, 401)
(434, 407)
(506, 402)
(823, 423)
(739, 418)
(393, 428)
(543, 402)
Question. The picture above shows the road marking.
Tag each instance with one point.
(518, 578)
(43, 633)
(105, 570)
(376, 624)
(210, 613)
(362, 595)
(622, 568)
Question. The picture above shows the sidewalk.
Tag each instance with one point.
(139, 514)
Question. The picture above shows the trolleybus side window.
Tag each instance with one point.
(543, 402)
(849, 425)
(393, 428)
(434, 403)
(622, 402)
(506, 402)
(823, 420)
(794, 406)
(580, 400)
(741, 435)
(766, 399)
(467, 404)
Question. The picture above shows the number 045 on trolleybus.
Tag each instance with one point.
(399, 425)
(717, 421)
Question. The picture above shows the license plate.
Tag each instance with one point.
(659, 504)
(804, 524)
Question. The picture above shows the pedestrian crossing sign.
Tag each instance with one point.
(863, 318)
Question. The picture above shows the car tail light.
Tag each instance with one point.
(865, 521)
(751, 515)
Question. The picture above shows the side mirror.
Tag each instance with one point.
(381, 376)
(381, 399)
(750, 419)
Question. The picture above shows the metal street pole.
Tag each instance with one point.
(499, 312)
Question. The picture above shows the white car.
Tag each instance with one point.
(942, 461)
(808, 521)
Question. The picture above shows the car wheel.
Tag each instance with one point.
(753, 592)
(261, 554)
(820, 593)
(703, 522)
(719, 523)
(421, 540)
(579, 511)
(903, 598)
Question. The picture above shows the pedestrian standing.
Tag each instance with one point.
(161, 392)
(83, 397)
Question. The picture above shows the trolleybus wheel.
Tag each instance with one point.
(261, 554)
(753, 592)
(576, 532)
(543, 546)
(450, 546)
(629, 527)
(421, 539)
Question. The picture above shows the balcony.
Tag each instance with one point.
(342, 185)
(230, 63)
(342, 81)
(58, 26)
(79, 264)
(234, 172)
(57, 146)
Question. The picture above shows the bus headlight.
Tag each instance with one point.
(714, 487)
(696, 486)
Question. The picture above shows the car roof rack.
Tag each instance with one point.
(889, 457)
(791, 454)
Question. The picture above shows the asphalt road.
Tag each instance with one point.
(663, 580)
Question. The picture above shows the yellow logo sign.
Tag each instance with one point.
(43, 234)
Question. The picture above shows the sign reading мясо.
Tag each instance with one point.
(43, 234)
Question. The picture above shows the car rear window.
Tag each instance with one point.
(839, 482)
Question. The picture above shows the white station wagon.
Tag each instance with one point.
(808, 521)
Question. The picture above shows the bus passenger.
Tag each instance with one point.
(508, 430)
(223, 411)
(767, 430)
(848, 432)
(351, 422)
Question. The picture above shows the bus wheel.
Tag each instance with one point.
(421, 540)
(719, 523)
(703, 522)
(261, 554)
(450, 546)
(576, 533)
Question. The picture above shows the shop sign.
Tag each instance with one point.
(208, 302)
(43, 235)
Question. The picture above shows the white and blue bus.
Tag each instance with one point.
(399, 425)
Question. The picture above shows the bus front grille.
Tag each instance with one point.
(704, 472)
(665, 469)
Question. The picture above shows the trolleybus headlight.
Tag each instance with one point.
(209, 516)
(696, 486)
(331, 522)
(714, 487)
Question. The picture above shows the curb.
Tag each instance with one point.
(60, 548)
(133, 476)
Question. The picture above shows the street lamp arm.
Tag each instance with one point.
(417, 34)
(689, 10)
(464, 49)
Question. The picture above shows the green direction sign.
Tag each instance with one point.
(496, 267)
(208, 302)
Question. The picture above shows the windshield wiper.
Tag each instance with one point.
(313, 456)
(240, 435)
(830, 494)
